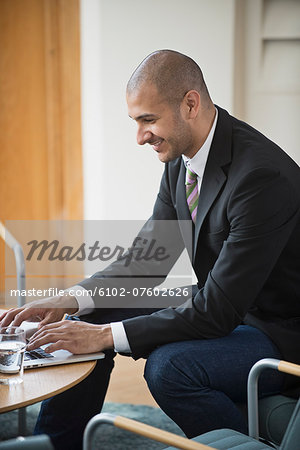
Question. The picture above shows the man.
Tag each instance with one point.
(246, 247)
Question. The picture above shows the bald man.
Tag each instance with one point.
(243, 207)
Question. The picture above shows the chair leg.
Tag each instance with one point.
(22, 427)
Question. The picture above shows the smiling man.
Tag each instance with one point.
(241, 193)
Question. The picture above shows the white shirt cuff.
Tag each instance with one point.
(85, 302)
(121, 343)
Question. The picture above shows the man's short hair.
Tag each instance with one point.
(172, 73)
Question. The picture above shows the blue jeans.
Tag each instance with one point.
(198, 383)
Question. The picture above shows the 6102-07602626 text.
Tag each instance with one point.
(141, 292)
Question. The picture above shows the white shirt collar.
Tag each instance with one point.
(198, 162)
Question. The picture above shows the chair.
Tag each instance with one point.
(223, 439)
(40, 442)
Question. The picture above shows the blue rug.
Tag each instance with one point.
(107, 437)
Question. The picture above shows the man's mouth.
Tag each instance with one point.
(156, 144)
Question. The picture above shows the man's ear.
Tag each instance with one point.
(191, 104)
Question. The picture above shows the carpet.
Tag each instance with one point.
(107, 437)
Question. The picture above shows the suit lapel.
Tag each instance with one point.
(214, 176)
(212, 183)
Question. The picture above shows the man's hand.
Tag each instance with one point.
(77, 337)
(47, 310)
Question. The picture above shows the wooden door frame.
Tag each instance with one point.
(63, 108)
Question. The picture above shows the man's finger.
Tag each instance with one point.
(42, 339)
(54, 316)
(38, 335)
(5, 313)
(48, 320)
(59, 345)
(52, 329)
(50, 325)
(25, 314)
(10, 316)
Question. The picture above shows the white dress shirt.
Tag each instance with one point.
(85, 302)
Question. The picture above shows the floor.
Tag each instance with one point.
(127, 384)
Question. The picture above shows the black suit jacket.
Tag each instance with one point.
(246, 245)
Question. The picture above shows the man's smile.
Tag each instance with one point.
(156, 144)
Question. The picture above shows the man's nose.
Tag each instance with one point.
(143, 136)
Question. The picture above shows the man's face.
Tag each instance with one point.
(159, 124)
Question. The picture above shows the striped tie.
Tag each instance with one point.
(192, 196)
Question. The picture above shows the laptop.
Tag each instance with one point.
(39, 358)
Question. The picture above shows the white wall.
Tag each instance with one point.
(115, 37)
(271, 59)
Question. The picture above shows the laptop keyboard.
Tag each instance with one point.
(38, 353)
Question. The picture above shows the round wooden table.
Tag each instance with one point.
(43, 383)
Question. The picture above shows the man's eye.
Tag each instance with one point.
(149, 120)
